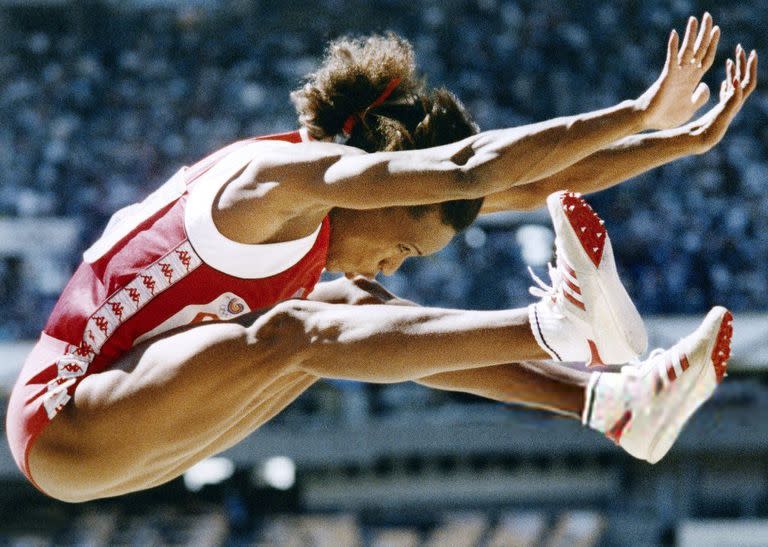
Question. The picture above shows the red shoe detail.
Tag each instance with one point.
(671, 374)
(684, 362)
(722, 350)
(595, 355)
(570, 270)
(586, 224)
(658, 383)
(573, 287)
(573, 301)
(618, 429)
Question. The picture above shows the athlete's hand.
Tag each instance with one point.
(358, 291)
(740, 81)
(678, 93)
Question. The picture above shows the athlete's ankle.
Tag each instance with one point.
(559, 337)
(605, 401)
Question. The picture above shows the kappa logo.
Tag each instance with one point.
(84, 349)
(184, 257)
(102, 323)
(117, 309)
(134, 294)
(167, 270)
(71, 366)
(149, 283)
(57, 395)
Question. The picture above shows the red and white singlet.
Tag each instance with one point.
(160, 264)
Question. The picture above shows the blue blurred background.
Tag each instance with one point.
(101, 101)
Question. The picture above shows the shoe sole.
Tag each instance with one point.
(718, 352)
(613, 310)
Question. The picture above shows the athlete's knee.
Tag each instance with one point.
(66, 468)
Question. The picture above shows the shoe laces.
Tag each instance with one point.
(548, 293)
(657, 361)
(637, 363)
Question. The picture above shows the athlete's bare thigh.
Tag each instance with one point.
(165, 405)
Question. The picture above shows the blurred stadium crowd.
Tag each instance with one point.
(208, 526)
(101, 102)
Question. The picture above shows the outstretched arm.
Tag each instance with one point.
(329, 175)
(617, 163)
(636, 154)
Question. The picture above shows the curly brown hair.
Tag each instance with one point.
(354, 74)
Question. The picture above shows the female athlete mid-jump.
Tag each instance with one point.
(197, 316)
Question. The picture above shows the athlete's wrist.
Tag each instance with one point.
(644, 112)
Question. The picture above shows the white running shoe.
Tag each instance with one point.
(586, 315)
(643, 409)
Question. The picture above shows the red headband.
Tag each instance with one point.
(351, 121)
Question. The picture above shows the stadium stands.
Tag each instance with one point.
(209, 528)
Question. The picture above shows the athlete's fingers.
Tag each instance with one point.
(750, 82)
(686, 48)
(702, 40)
(672, 48)
(741, 62)
(731, 106)
(716, 126)
(700, 96)
(726, 89)
(709, 56)
(729, 75)
(738, 93)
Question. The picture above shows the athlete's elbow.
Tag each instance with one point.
(487, 173)
(473, 182)
(531, 201)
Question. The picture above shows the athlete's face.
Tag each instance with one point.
(379, 240)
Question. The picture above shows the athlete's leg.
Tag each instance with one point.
(538, 384)
(382, 343)
(171, 403)
(191, 394)
(642, 408)
(294, 385)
